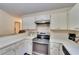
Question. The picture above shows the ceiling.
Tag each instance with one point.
(20, 9)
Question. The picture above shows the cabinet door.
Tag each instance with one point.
(59, 20)
(20, 48)
(74, 18)
(55, 49)
(28, 46)
(29, 23)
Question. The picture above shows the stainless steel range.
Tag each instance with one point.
(41, 42)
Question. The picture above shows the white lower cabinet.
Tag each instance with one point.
(25, 46)
(14, 49)
(55, 49)
(20, 48)
(28, 46)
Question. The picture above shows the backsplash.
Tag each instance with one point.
(43, 28)
(31, 33)
(55, 35)
(59, 35)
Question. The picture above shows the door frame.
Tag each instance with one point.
(15, 26)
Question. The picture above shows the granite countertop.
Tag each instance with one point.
(71, 46)
(11, 39)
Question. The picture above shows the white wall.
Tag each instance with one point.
(6, 23)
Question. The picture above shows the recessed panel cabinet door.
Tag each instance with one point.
(28, 46)
(74, 18)
(20, 48)
(29, 23)
(59, 20)
(55, 49)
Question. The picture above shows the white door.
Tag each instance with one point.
(17, 27)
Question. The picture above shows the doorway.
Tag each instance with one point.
(17, 27)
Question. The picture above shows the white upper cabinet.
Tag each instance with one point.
(74, 18)
(59, 20)
(29, 22)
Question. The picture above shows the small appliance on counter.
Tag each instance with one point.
(72, 36)
(22, 31)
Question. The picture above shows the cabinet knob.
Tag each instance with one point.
(26, 54)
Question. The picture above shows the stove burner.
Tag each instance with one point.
(43, 36)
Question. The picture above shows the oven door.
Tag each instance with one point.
(65, 50)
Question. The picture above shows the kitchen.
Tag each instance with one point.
(42, 29)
